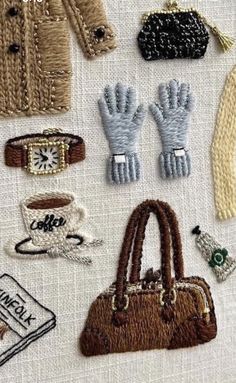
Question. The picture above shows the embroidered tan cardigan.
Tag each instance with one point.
(35, 65)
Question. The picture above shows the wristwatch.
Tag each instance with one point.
(45, 153)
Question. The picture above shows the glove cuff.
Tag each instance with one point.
(123, 168)
(175, 164)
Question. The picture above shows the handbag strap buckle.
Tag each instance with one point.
(113, 303)
(172, 293)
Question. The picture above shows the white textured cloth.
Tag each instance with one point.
(68, 288)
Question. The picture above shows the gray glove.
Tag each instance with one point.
(172, 119)
(122, 121)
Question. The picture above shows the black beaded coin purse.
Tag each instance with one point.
(177, 33)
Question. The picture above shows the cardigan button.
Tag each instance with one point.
(14, 48)
(13, 11)
(100, 32)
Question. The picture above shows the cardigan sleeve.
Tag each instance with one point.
(223, 152)
(91, 26)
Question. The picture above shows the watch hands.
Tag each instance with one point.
(44, 158)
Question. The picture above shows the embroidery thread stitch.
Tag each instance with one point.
(25, 319)
(52, 221)
(96, 36)
(172, 119)
(162, 312)
(217, 256)
(73, 249)
(177, 33)
(36, 68)
(42, 207)
(46, 153)
(223, 151)
(122, 122)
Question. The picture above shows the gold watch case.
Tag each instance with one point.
(45, 143)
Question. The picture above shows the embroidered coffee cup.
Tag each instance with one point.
(50, 217)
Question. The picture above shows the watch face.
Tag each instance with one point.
(46, 158)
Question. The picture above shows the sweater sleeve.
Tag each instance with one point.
(223, 152)
(91, 26)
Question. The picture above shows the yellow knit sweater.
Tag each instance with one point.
(223, 152)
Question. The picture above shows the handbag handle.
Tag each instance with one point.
(133, 241)
(176, 244)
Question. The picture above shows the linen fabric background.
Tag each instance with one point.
(69, 288)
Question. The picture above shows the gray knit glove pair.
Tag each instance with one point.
(122, 122)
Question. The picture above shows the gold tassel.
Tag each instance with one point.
(225, 41)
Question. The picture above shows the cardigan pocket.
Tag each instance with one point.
(51, 71)
(52, 46)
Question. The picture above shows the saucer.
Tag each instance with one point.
(72, 248)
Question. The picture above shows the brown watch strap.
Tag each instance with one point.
(16, 154)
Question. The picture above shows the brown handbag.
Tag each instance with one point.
(155, 312)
